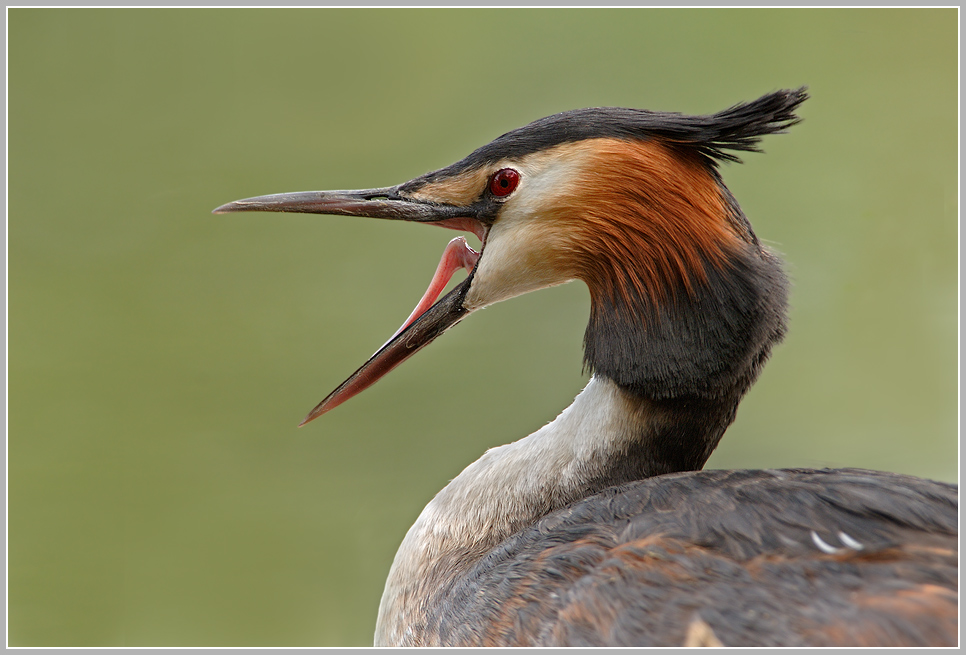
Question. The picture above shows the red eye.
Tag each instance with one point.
(504, 182)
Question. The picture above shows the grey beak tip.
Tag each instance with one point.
(238, 206)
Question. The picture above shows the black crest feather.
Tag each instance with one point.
(737, 128)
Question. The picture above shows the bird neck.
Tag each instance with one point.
(707, 342)
(608, 436)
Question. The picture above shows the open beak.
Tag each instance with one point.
(430, 318)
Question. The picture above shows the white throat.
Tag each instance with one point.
(509, 488)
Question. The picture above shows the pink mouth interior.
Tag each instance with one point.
(457, 255)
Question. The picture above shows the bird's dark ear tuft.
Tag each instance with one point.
(737, 128)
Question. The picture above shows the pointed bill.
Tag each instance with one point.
(372, 203)
(430, 318)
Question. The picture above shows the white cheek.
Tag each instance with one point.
(522, 249)
(512, 265)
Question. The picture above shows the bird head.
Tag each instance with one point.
(684, 300)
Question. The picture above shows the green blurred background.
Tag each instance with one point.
(160, 357)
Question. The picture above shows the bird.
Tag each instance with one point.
(601, 528)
